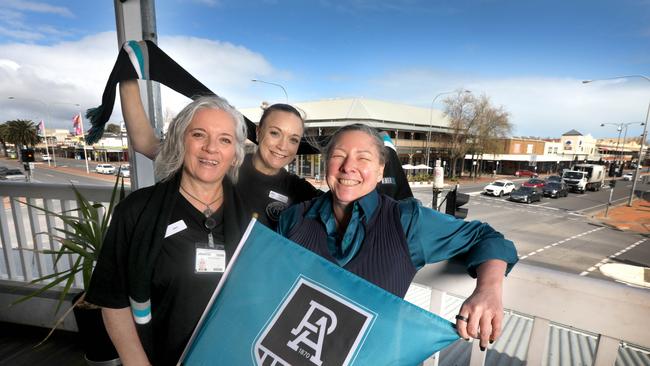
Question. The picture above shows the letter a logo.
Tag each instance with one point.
(313, 327)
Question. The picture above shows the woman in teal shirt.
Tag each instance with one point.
(386, 242)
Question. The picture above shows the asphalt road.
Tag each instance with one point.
(559, 233)
(66, 171)
(553, 233)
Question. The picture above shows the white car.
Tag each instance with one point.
(125, 171)
(499, 188)
(46, 158)
(628, 176)
(105, 169)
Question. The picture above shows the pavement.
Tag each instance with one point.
(634, 218)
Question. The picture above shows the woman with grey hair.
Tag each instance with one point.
(167, 245)
(386, 241)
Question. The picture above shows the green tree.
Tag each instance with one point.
(3, 138)
(22, 133)
(113, 128)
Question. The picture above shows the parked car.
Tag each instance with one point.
(125, 171)
(46, 157)
(499, 188)
(553, 178)
(105, 169)
(555, 190)
(534, 182)
(628, 176)
(526, 173)
(526, 194)
(12, 174)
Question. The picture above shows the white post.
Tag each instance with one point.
(83, 140)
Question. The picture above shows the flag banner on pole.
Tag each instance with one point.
(41, 128)
(281, 304)
(76, 125)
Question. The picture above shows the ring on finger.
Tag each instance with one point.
(462, 318)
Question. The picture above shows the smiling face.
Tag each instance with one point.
(354, 167)
(209, 146)
(279, 138)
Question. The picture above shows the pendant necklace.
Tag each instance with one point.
(209, 223)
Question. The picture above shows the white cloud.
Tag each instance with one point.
(76, 72)
(539, 106)
(24, 35)
(37, 7)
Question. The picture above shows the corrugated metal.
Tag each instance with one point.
(566, 346)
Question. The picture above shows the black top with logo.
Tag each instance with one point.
(269, 195)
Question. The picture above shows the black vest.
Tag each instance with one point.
(383, 259)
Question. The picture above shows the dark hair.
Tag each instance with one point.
(370, 131)
(280, 107)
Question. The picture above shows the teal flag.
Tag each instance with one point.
(281, 304)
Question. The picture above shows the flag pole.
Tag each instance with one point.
(47, 148)
(83, 140)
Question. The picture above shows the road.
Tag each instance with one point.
(66, 171)
(559, 233)
(553, 233)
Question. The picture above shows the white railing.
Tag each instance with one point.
(21, 226)
(616, 312)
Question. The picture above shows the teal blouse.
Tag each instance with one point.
(431, 235)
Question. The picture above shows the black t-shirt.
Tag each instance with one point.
(178, 294)
(269, 195)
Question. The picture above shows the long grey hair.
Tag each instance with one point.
(170, 159)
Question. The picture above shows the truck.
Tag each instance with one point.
(583, 177)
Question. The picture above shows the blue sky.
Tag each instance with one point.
(528, 56)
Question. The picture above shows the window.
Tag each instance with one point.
(529, 149)
(517, 148)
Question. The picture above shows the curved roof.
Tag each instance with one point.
(372, 111)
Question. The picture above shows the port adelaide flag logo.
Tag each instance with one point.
(313, 327)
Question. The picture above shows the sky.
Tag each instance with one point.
(527, 56)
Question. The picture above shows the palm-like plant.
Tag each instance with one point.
(82, 236)
(22, 132)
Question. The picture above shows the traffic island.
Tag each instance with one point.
(635, 218)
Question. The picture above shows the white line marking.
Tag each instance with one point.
(606, 260)
(559, 242)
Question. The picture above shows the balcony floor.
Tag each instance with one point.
(17, 347)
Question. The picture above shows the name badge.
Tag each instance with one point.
(279, 197)
(210, 260)
(175, 227)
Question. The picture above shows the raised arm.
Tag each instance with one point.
(138, 127)
(121, 329)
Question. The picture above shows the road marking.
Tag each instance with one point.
(560, 242)
(602, 204)
(602, 262)
(474, 193)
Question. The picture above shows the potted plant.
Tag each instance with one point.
(82, 235)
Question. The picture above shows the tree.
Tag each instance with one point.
(4, 129)
(475, 126)
(459, 109)
(22, 133)
(113, 128)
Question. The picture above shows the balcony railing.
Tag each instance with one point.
(612, 315)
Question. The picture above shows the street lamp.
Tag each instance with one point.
(643, 135)
(431, 118)
(619, 128)
(286, 96)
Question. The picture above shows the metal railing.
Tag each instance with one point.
(615, 312)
